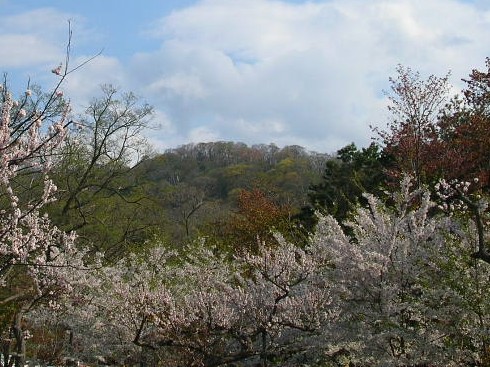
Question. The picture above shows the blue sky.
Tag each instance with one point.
(258, 71)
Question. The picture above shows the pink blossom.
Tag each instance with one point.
(57, 70)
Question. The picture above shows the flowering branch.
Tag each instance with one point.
(458, 194)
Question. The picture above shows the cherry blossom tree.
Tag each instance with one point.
(201, 309)
(408, 291)
(411, 138)
(34, 253)
(28, 241)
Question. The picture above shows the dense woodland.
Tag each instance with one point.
(223, 254)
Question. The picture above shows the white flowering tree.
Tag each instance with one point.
(201, 309)
(408, 289)
(32, 250)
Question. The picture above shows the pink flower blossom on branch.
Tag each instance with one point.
(25, 235)
(57, 70)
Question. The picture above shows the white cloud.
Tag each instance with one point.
(161, 123)
(32, 51)
(32, 43)
(203, 134)
(182, 85)
(33, 38)
(84, 84)
(262, 71)
(47, 21)
(249, 30)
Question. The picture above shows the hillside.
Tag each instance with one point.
(196, 184)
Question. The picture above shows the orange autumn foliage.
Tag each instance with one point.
(256, 219)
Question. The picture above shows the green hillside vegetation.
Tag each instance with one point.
(197, 186)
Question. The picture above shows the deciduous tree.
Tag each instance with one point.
(94, 173)
(411, 135)
(32, 129)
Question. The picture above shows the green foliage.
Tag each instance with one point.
(198, 185)
(346, 178)
(98, 196)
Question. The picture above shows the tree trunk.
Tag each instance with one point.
(19, 356)
(6, 343)
(263, 354)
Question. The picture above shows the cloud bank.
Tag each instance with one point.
(310, 73)
(306, 73)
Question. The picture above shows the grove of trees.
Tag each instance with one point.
(220, 254)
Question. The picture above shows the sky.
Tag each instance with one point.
(289, 72)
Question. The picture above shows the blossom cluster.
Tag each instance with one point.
(25, 148)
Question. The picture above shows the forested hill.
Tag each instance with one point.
(218, 168)
(201, 183)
